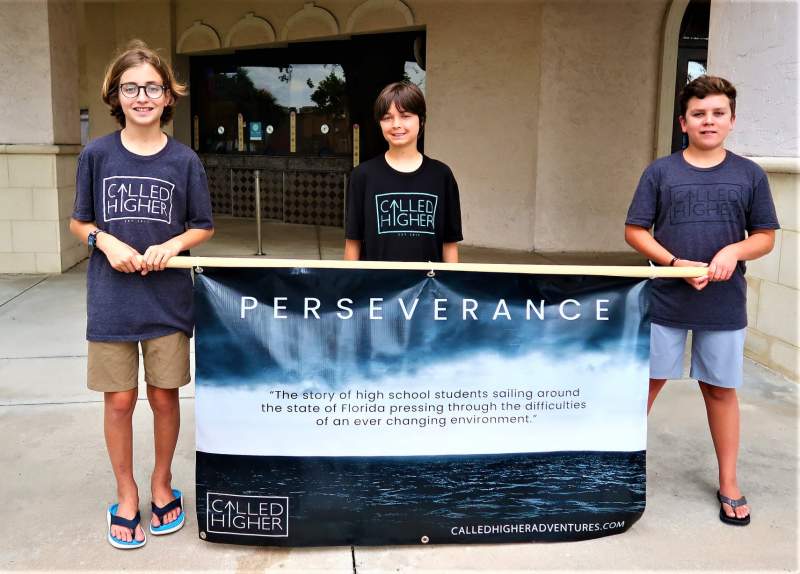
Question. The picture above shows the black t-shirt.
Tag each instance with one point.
(695, 213)
(401, 216)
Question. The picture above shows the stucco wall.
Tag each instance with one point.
(110, 26)
(754, 44)
(482, 91)
(597, 112)
(38, 108)
(26, 106)
(544, 110)
(482, 95)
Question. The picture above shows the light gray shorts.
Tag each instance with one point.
(717, 356)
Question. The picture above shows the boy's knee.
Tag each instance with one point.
(121, 404)
(716, 393)
(162, 401)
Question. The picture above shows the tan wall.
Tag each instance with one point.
(754, 44)
(26, 110)
(99, 46)
(109, 27)
(37, 188)
(482, 91)
(773, 300)
(38, 129)
(597, 112)
(38, 94)
(482, 94)
(524, 99)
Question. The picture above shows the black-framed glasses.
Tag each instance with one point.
(132, 90)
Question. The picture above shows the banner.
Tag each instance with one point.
(370, 407)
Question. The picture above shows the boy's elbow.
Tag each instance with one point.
(766, 238)
(75, 226)
(629, 235)
(770, 240)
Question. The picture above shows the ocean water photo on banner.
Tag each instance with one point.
(353, 406)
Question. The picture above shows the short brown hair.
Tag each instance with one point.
(406, 97)
(707, 86)
(136, 54)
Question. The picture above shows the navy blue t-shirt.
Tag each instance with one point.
(402, 216)
(696, 212)
(142, 201)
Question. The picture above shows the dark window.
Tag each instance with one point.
(324, 87)
(692, 58)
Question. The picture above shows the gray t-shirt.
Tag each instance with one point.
(142, 201)
(695, 213)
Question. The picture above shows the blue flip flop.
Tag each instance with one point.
(113, 520)
(161, 511)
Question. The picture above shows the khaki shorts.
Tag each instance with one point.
(114, 366)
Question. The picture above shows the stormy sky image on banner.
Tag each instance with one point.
(372, 407)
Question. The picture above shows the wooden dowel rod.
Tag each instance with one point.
(606, 270)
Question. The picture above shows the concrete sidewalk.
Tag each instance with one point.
(56, 480)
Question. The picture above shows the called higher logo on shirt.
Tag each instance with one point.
(705, 203)
(130, 197)
(406, 213)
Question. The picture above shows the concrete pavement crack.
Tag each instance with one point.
(61, 403)
(43, 279)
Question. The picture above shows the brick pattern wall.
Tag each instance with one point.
(37, 188)
(773, 335)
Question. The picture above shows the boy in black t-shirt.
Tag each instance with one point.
(402, 205)
(709, 208)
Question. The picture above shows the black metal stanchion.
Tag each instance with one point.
(260, 250)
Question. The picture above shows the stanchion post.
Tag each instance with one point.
(344, 199)
(260, 251)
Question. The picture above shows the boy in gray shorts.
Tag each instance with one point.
(708, 207)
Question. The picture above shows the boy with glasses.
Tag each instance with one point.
(141, 199)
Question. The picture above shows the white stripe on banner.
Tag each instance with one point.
(415, 374)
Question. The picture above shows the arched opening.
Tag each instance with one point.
(692, 58)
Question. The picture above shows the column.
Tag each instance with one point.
(39, 135)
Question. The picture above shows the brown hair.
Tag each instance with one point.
(707, 86)
(405, 96)
(136, 54)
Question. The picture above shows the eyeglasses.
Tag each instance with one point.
(132, 90)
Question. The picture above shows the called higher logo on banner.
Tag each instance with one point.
(247, 515)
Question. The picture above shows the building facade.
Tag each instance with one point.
(547, 111)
